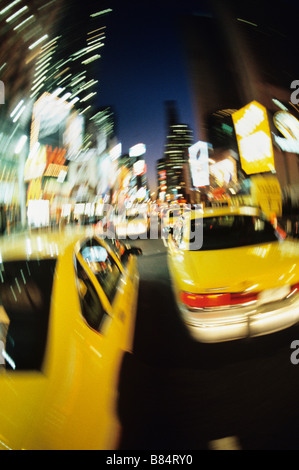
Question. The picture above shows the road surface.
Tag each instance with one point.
(178, 394)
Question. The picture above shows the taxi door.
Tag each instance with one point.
(108, 294)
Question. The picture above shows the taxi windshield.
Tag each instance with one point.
(231, 231)
(25, 297)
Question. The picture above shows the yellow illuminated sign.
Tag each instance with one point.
(266, 193)
(254, 138)
(34, 189)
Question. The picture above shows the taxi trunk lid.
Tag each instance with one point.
(251, 268)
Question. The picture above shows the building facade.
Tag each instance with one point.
(240, 52)
(49, 67)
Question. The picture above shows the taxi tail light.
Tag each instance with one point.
(294, 289)
(217, 300)
(243, 298)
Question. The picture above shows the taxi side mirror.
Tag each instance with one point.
(130, 250)
(134, 250)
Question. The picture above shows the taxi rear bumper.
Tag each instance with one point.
(212, 325)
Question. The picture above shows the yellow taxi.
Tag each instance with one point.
(67, 316)
(233, 274)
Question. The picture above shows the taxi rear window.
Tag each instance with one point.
(25, 296)
(231, 231)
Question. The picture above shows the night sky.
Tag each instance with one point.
(142, 66)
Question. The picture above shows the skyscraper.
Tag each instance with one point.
(25, 27)
(179, 138)
(67, 62)
(48, 64)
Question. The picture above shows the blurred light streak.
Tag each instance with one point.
(88, 97)
(91, 59)
(102, 12)
(58, 91)
(66, 96)
(8, 359)
(23, 22)
(74, 100)
(39, 244)
(16, 108)
(4, 10)
(13, 293)
(19, 114)
(21, 143)
(17, 13)
(248, 22)
(23, 277)
(18, 285)
(36, 43)
(28, 247)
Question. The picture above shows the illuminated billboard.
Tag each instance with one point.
(199, 164)
(139, 168)
(137, 150)
(224, 171)
(49, 117)
(254, 138)
(44, 161)
(48, 131)
(162, 175)
(115, 152)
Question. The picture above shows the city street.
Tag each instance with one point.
(179, 394)
(123, 119)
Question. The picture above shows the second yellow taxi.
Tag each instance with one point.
(233, 274)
